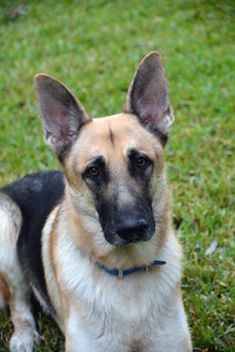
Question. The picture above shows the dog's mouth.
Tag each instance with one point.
(119, 242)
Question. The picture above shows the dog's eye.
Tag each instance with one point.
(140, 161)
(93, 171)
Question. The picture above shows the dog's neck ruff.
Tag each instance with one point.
(122, 273)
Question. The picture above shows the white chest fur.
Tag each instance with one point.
(139, 313)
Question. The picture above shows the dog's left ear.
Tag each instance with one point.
(61, 113)
(148, 96)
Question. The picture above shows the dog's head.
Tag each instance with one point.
(113, 165)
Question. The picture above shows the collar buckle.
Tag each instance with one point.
(146, 268)
(120, 274)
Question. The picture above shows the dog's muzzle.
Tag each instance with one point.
(129, 229)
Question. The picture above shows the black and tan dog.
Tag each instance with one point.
(94, 244)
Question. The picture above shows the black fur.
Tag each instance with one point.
(36, 195)
(140, 173)
(99, 181)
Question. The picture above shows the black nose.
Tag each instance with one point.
(132, 228)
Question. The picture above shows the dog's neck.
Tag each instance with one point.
(122, 273)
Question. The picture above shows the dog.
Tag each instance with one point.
(94, 244)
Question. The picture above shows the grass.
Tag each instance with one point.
(94, 46)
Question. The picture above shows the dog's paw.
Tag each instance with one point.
(23, 340)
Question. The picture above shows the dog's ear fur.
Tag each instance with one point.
(61, 113)
(147, 96)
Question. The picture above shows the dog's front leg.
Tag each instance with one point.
(79, 337)
(25, 332)
(74, 342)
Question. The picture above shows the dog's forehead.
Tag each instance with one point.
(113, 136)
(118, 126)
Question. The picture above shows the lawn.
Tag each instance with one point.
(94, 47)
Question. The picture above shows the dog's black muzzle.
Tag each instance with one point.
(128, 227)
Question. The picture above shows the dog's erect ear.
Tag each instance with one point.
(61, 113)
(148, 96)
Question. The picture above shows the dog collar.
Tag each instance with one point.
(122, 273)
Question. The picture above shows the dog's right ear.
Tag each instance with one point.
(61, 113)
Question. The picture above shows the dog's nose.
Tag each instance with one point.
(131, 228)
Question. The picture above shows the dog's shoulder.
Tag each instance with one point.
(31, 190)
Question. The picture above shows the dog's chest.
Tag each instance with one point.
(115, 314)
(104, 313)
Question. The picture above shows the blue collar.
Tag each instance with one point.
(122, 273)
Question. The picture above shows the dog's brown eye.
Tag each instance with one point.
(141, 161)
(93, 171)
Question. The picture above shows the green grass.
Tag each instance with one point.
(94, 47)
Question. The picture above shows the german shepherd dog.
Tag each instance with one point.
(95, 245)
